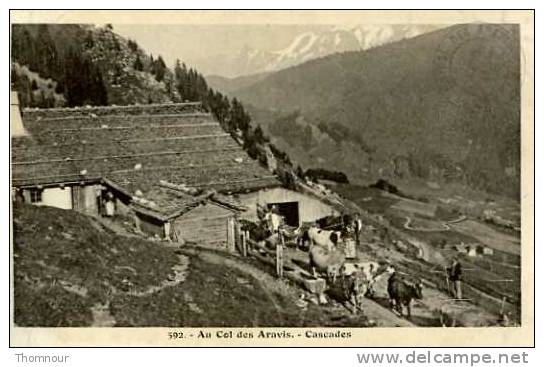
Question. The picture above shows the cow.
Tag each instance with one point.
(349, 269)
(349, 289)
(321, 237)
(401, 292)
(359, 288)
(326, 261)
(369, 270)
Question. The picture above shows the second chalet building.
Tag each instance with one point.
(170, 167)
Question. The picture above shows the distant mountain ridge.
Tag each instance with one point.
(231, 85)
(307, 46)
(443, 106)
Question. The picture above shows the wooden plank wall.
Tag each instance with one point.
(206, 224)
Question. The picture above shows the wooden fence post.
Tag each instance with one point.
(244, 243)
(247, 239)
(231, 238)
(279, 256)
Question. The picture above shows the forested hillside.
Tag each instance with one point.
(77, 65)
(90, 65)
(443, 106)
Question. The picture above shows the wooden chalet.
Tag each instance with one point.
(169, 167)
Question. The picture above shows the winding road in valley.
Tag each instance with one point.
(446, 226)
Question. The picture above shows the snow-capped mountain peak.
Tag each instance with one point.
(310, 45)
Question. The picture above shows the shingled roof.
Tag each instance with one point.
(133, 147)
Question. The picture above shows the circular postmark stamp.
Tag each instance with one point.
(479, 58)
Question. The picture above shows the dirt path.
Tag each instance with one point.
(179, 270)
(436, 308)
(382, 316)
(262, 278)
(408, 225)
(436, 304)
(271, 286)
(101, 223)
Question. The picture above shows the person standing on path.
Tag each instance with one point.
(454, 274)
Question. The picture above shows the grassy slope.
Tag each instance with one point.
(56, 250)
(66, 263)
(223, 290)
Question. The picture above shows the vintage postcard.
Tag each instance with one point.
(272, 178)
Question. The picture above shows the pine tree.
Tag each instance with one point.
(138, 65)
(21, 45)
(132, 45)
(89, 41)
(299, 172)
(59, 89)
(180, 76)
(259, 135)
(239, 118)
(159, 68)
(46, 53)
(98, 95)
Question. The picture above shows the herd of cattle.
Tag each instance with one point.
(348, 280)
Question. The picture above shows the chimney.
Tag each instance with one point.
(16, 122)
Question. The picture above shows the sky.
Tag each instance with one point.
(192, 43)
(228, 50)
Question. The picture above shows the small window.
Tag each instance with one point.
(35, 196)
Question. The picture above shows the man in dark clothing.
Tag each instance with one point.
(358, 224)
(454, 275)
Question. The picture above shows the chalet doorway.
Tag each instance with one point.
(289, 211)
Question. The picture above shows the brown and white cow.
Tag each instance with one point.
(368, 269)
(321, 237)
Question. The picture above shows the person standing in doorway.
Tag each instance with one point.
(275, 223)
(109, 205)
(455, 274)
(275, 219)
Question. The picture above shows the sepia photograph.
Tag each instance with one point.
(278, 177)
